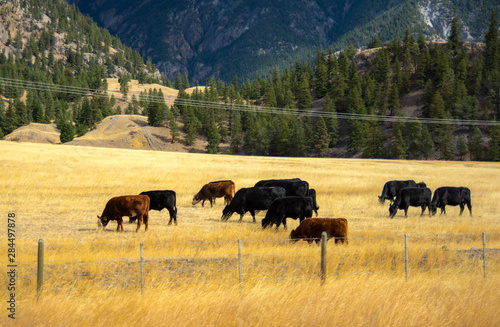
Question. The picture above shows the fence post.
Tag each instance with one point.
(484, 253)
(142, 267)
(39, 278)
(324, 240)
(239, 264)
(406, 256)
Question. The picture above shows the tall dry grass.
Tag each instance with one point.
(57, 192)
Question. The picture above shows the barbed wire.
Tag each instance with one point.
(241, 107)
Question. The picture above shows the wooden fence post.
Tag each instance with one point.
(324, 240)
(484, 253)
(406, 256)
(39, 278)
(142, 267)
(239, 264)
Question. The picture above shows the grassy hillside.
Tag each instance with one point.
(57, 191)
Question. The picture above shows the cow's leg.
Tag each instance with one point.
(462, 207)
(146, 220)
(172, 216)
(423, 210)
(252, 212)
(120, 225)
(469, 206)
(139, 222)
(211, 204)
(406, 212)
(283, 221)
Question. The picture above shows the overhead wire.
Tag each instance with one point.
(40, 86)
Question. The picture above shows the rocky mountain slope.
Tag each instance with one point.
(222, 38)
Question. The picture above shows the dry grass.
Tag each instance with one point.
(57, 191)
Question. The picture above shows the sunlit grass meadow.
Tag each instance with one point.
(92, 277)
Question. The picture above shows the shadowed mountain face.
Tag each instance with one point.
(224, 38)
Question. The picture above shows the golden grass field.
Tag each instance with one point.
(92, 276)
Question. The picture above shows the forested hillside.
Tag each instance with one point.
(409, 98)
(356, 102)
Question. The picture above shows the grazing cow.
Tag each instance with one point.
(411, 196)
(160, 200)
(126, 205)
(392, 188)
(214, 190)
(311, 228)
(288, 207)
(252, 199)
(293, 187)
(312, 194)
(451, 196)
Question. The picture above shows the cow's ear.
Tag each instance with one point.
(98, 217)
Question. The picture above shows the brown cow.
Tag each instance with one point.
(311, 228)
(126, 205)
(214, 190)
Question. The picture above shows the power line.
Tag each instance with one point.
(240, 107)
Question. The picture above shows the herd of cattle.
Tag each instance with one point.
(408, 193)
(282, 198)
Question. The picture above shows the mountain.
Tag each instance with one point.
(224, 38)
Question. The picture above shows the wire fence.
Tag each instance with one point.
(216, 266)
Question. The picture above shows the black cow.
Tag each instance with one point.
(293, 187)
(411, 196)
(451, 196)
(392, 188)
(312, 195)
(288, 207)
(252, 199)
(159, 200)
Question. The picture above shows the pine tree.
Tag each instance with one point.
(476, 144)
(10, 121)
(321, 139)
(462, 149)
(21, 112)
(454, 40)
(305, 98)
(399, 146)
(236, 132)
(357, 128)
(213, 138)
(321, 74)
(185, 81)
(174, 128)
(382, 66)
(67, 131)
(445, 142)
(190, 126)
(427, 144)
(373, 144)
(374, 43)
(331, 121)
(494, 144)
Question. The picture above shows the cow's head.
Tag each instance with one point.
(197, 198)
(393, 209)
(381, 199)
(266, 222)
(226, 213)
(102, 222)
(433, 209)
(294, 236)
